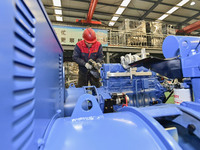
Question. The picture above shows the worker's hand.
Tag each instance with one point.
(88, 66)
(98, 66)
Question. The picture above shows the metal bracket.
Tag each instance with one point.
(72, 85)
(126, 74)
(80, 112)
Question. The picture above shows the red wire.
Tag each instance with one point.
(126, 102)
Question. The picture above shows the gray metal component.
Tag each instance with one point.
(130, 73)
(128, 58)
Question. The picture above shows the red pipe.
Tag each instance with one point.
(89, 20)
(190, 28)
(93, 4)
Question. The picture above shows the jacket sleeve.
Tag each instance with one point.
(100, 55)
(77, 56)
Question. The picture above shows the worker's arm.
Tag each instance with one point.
(77, 56)
(100, 55)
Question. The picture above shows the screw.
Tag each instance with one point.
(191, 128)
(40, 142)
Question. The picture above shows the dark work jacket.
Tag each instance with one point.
(82, 54)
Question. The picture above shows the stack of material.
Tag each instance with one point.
(168, 29)
(143, 34)
(154, 34)
(155, 28)
(157, 41)
(132, 33)
(136, 40)
(102, 37)
(71, 73)
(113, 38)
(134, 26)
(122, 38)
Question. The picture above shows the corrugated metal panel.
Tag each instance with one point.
(60, 77)
(23, 76)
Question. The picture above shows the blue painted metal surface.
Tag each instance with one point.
(162, 110)
(188, 50)
(94, 130)
(141, 90)
(32, 95)
(189, 118)
(31, 80)
(174, 45)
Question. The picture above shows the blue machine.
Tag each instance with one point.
(33, 97)
(187, 48)
(140, 84)
(136, 87)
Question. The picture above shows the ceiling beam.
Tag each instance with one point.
(75, 17)
(150, 10)
(130, 8)
(85, 11)
(163, 3)
(75, 10)
(102, 13)
(111, 14)
(190, 18)
(67, 23)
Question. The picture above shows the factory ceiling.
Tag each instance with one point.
(177, 12)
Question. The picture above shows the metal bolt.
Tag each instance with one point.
(40, 142)
(58, 111)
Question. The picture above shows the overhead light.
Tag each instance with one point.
(111, 23)
(183, 2)
(173, 9)
(192, 3)
(114, 18)
(163, 17)
(125, 3)
(119, 10)
(58, 12)
(57, 3)
(59, 18)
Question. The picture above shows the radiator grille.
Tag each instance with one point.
(60, 77)
(23, 75)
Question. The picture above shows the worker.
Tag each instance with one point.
(88, 49)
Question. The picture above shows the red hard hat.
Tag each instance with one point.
(89, 35)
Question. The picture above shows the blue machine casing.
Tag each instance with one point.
(94, 130)
(31, 89)
(188, 50)
(32, 96)
(142, 90)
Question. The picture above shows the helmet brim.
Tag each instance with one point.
(91, 42)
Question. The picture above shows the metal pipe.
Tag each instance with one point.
(91, 10)
(190, 28)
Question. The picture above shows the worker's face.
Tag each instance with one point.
(88, 44)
